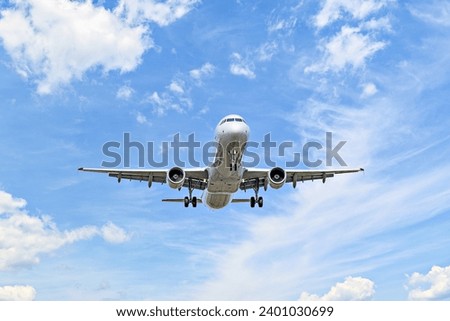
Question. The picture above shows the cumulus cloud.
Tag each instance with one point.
(176, 86)
(352, 289)
(56, 41)
(125, 92)
(177, 95)
(17, 293)
(241, 67)
(369, 89)
(141, 119)
(164, 102)
(435, 285)
(9, 204)
(333, 10)
(205, 70)
(24, 238)
(349, 48)
(114, 234)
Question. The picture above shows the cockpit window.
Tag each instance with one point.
(232, 120)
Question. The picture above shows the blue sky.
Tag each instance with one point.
(77, 74)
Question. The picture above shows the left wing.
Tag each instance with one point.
(196, 178)
(260, 177)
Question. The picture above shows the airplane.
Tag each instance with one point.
(226, 175)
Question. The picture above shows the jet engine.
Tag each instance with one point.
(277, 177)
(176, 177)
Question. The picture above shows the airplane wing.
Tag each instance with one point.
(197, 177)
(259, 177)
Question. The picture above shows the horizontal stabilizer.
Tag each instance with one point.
(240, 200)
(178, 200)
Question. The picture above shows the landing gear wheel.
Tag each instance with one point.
(252, 201)
(194, 201)
(186, 201)
(260, 201)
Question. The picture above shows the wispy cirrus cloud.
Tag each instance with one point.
(136, 12)
(301, 246)
(333, 10)
(433, 12)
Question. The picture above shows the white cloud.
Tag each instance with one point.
(9, 204)
(435, 285)
(114, 234)
(17, 293)
(177, 96)
(349, 47)
(352, 289)
(125, 92)
(241, 67)
(333, 10)
(433, 12)
(369, 89)
(141, 119)
(377, 24)
(56, 41)
(164, 102)
(24, 238)
(266, 51)
(162, 13)
(282, 24)
(176, 87)
(206, 70)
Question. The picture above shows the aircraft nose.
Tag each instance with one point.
(237, 131)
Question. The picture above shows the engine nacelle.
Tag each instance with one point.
(176, 177)
(277, 177)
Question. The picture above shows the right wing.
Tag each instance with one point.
(257, 177)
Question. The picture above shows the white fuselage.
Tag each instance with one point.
(225, 174)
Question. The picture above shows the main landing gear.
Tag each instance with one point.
(255, 199)
(190, 199)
